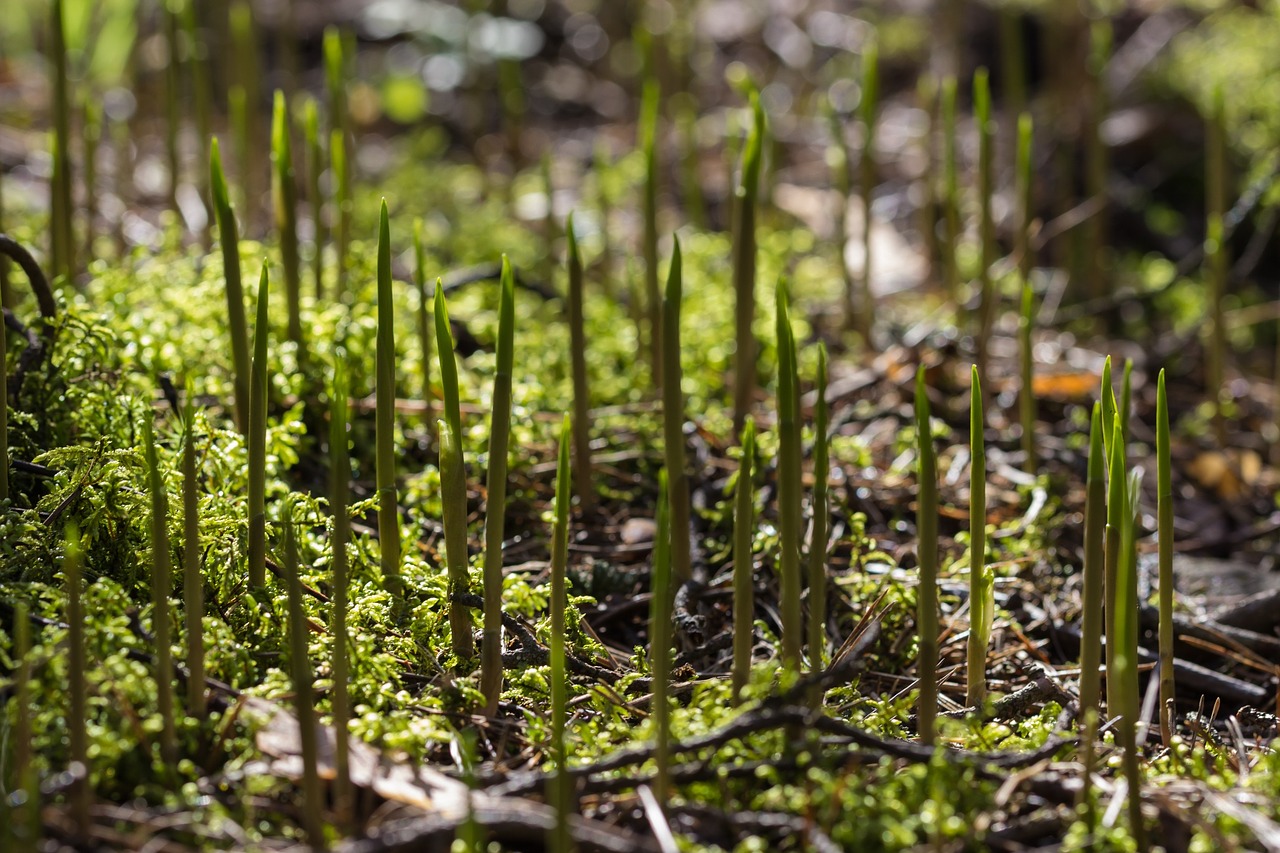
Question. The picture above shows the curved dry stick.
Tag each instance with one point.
(35, 351)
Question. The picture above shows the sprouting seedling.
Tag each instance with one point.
(1116, 510)
(744, 510)
(1026, 204)
(77, 676)
(1095, 521)
(62, 245)
(335, 62)
(335, 78)
(339, 480)
(986, 227)
(1026, 366)
(453, 485)
(1107, 394)
(257, 442)
(789, 496)
(581, 391)
(950, 187)
(1126, 399)
(90, 136)
(1164, 524)
(25, 823)
(649, 247)
(341, 168)
(927, 595)
(980, 587)
(315, 168)
(496, 488)
(673, 420)
(192, 580)
(229, 238)
(744, 266)
(303, 693)
(818, 538)
(560, 792)
(423, 317)
(161, 626)
(385, 418)
(660, 641)
(1122, 675)
(867, 171)
(284, 200)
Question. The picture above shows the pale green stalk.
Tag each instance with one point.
(660, 607)
(257, 442)
(789, 491)
(1126, 398)
(560, 791)
(303, 695)
(77, 682)
(1026, 366)
(1108, 398)
(821, 525)
(1164, 516)
(581, 391)
(340, 166)
(1116, 510)
(161, 624)
(496, 489)
(62, 247)
(388, 499)
(192, 579)
(284, 201)
(673, 420)
(1025, 201)
(549, 229)
(649, 238)
(744, 267)
(339, 489)
(927, 594)
(744, 510)
(453, 485)
(986, 227)
(950, 188)
(980, 587)
(867, 108)
(229, 239)
(1095, 521)
(339, 121)
(423, 317)
(315, 168)
(1216, 258)
(1122, 675)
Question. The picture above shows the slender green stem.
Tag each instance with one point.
(78, 680)
(581, 391)
(673, 420)
(649, 245)
(1126, 398)
(339, 491)
(448, 364)
(63, 246)
(789, 491)
(560, 787)
(1025, 200)
(744, 266)
(340, 166)
(229, 238)
(1095, 520)
(660, 608)
(1116, 510)
(284, 193)
(1164, 515)
(423, 317)
(744, 510)
(303, 693)
(257, 442)
(161, 623)
(496, 488)
(980, 604)
(192, 579)
(867, 108)
(453, 485)
(838, 161)
(986, 227)
(821, 525)
(1122, 676)
(335, 62)
(315, 168)
(927, 595)
(1026, 366)
(1107, 394)
(388, 500)
(950, 188)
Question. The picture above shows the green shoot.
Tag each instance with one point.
(986, 226)
(62, 246)
(7, 298)
(980, 588)
(303, 696)
(1122, 675)
(1126, 398)
(339, 480)
(789, 496)
(927, 554)
(867, 170)
(744, 510)
(1216, 258)
(423, 317)
(581, 392)
(340, 132)
(161, 626)
(315, 168)
(453, 485)
(1116, 510)
(1108, 395)
(284, 201)
(192, 580)
(1026, 366)
(1164, 515)
(229, 238)
(496, 488)
(388, 506)
(257, 442)
(744, 267)
(950, 187)
(340, 167)
(1095, 520)
(560, 792)
(821, 522)
(660, 641)
(649, 247)
(673, 420)
(1026, 204)
(78, 681)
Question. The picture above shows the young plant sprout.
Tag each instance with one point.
(789, 496)
(981, 605)
(986, 226)
(388, 499)
(649, 237)
(1122, 674)
(744, 266)
(821, 522)
(340, 131)
(1164, 516)
(423, 316)
(284, 194)
(192, 580)
(560, 791)
(496, 504)
(1126, 399)
(303, 696)
(257, 442)
(315, 168)
(4, 415)
(673, 421)
(339, 480)
(1109, 407)
(229, 238)
(1117, 509)
(453, 485)
(161, 626)
(581, 392)
(865, 313)
(927, 554)
(744, 510)
(341, 170)
(1095, 521)
(660, 642)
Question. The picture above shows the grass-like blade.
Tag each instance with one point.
(1026, 203)
(673, 420)
(1107, 395)
(303, 693)
(1116, 510)
(335, 75)
(1164, 524)
(1122, 674)
(649, 234)
(388, 499)
(1126, 399)
(339, 493)
(315, 168)
(257, 442)
(660, 607)
(453, 485)
(817, 574)
(744, 266)
(161, 582)
(980, 591)
(339, 164)
(560, 790)
(448, 363)
(744, 511)
(578, 358)
(986, 226)
(426, 334)
(927, 554)
(284, 196)
(192, 579)
(1095, 522)
(789, 491)
(229, 239)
